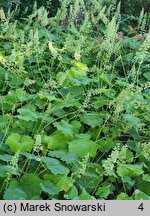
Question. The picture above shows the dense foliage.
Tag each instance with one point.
(74, 104)
(128, 7)
(25, 6)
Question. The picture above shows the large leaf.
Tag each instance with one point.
(63, 182)
(83, 146)
(15, 192)
(129, 170)
(64, 127)
(146, 177)
(57, 141)
(92, 119)
(16, 142)
(28, 114)
(49, 187)
(106, 145)
(30, 184)
(123, 196)
(5, 157)
(4, 170)
(147, 75)
(103, 192)
(72, 193)
(68, 157)
(4, 120)
(133, 120)
(144, 186)
(55, 166)
(139, 195)
(85, 196)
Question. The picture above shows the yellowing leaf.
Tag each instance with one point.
(80, 66)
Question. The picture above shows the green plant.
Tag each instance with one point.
(74, 105)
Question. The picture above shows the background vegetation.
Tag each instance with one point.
(130, 7)
(74, 100)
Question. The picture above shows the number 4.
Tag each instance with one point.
(141, 207)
